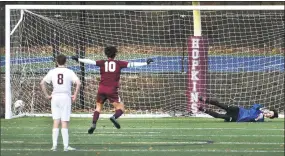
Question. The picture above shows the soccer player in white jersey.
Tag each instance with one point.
(62, 80)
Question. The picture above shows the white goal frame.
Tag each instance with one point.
(8, 32)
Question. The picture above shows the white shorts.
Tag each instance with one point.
(61, 107)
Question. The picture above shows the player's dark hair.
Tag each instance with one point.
(275, 115)
(61, 59)
(111, 51)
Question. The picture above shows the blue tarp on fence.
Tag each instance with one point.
(174, 64)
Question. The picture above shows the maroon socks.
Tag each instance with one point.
(95, 117)
(118, 113)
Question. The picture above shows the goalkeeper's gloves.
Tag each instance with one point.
(149, 60)
(75, 58)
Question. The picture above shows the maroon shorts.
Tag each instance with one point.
(106, 92)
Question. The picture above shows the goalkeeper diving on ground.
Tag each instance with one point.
(110, 71)
(238, 114)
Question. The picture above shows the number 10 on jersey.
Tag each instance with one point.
(110, 66)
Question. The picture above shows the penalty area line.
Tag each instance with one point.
(151, 150)
(119, 133)
(157, 128)
(126, 134)
(154, 143)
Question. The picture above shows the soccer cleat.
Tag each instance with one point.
(91, 130)
(53, 148)
(69, 149)
(115, 122)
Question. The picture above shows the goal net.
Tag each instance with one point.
(244, 57)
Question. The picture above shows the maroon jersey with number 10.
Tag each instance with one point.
(110, 71)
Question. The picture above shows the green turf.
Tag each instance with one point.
(150, 137)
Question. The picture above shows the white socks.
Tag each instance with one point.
(54, 136)
(64, 133)
(65, 137)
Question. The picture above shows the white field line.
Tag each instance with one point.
(155, 143)
(134, 129)
(125, 134)
(152, 150)
(119, 133)
(156, 128)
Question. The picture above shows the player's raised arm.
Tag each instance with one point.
(88, 61)
(129, 64)
(138, 64)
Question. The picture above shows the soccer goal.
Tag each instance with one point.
(233, 53)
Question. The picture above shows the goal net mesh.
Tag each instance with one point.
(245, 57)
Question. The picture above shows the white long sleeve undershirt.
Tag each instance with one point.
(88, 61)
(130, 64)
(136, 64)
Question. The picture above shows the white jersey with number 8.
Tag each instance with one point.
(62, 80)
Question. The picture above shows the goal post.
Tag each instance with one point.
(8, 98)
(197, 20)
(240, 67)
(197, 59)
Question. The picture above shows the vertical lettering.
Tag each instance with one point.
(194, 86)
(194, 97)
(194, 75)
(194, 107)
(195, 43)
(195, 53)
(195, 63)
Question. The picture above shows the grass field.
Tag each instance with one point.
(146, 137)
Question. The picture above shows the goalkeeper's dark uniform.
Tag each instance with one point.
(236, 114)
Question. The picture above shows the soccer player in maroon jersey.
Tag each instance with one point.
(110, 71)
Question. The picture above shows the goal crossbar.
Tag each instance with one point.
(147, 7)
